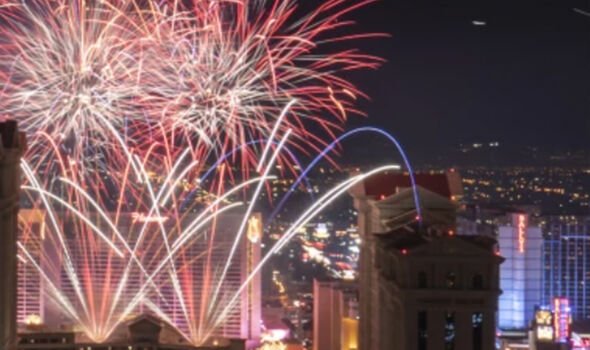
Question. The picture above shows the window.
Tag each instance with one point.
(451, 280)
(422, 280)
(477, 336)
(422, 330)
(450, 331)
(477, 282)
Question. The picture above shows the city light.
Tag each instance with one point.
(544, 325)
(561, 319)
(148, 123)
(521, 226)
(197, 168)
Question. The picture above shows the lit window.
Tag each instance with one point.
(451, 280)
(449, 331)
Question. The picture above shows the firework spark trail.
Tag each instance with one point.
(68, 259)
(218, 70)
(165, 260)
(309, 214)
(64, 302)
(199, 222)
(74, 279)
(183, 238)
(112, 91)
(94, 228)
(193, 226)
(164, 234)
(188, 231)
(272, 135)
(221, 160)
(191, 229)
(66, 250)
(65, 64)
(109, 222)
(253, 201)
(331, 147)
(154, 207)
(232, 66)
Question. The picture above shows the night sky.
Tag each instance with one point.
(522, 79)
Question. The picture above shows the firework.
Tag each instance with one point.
(145, 253)
(66, 68)
(221, 72)
(216, 74)
(119, 255)
(127, 105)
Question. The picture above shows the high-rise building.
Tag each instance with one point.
(520, 244)
(369, 200)
(30, 308)
(437, 291)
(566, 262)
(335, 315)
(520, 241)
(12, 146)
(421, 286)
(198, 263)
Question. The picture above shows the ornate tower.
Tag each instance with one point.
(12, 146)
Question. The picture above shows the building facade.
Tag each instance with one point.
(31, 299)
(437, 292)
(420, 285)
(12, 146)
(566, 262)
(197, 264)
(335, 315)
(520, 244)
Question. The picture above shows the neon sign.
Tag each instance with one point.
(544, 325)
(141, 217)
(561, 319)
(521, 226)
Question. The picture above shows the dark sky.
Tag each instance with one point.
(523, 78)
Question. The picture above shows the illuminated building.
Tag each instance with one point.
(251, 308)
(421, 286)
(12, 146)
(566, 262)
(30, 291)
(370, 200)
(543, 326)
(436, 291)
(562, 318)
(335, 316)
(243, 322)
(520, 241)
(281, 345)
(520, 275)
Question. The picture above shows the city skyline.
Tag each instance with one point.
(295, 174)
